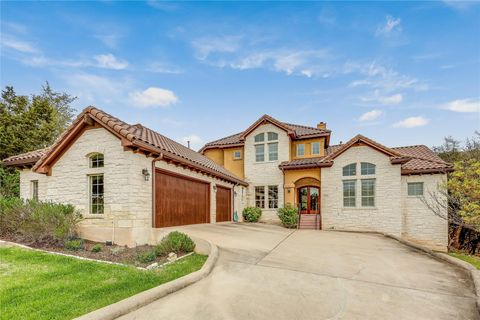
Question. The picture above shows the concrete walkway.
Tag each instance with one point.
(268, 272)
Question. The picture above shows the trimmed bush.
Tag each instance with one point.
(175, 241)
(97, 248)
(41, 222)
(288, 215)
(74, 244)
(252, 214)
(147, 256)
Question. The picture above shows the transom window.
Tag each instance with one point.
(237, 155)
(415, 188)
(368, 192)
(349, 193)
(96, 193)
(316, 148)
(350, 170)
(260, 197)
(300, 149)
(273, 197)
(34, 189)
(271, 146)
(367, 168)
(96, 160)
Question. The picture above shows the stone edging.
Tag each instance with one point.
(474, 272)
(141, 299)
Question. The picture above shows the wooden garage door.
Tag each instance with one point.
(224, 204)
(180, 200)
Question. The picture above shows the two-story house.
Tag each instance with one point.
(359, 185)
(130, 182)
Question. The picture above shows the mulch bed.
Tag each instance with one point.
(113, 253)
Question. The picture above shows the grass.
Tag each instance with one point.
(473, 260)
(37, 285)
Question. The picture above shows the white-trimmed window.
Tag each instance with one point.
(260, 197)
(96, 160)
(273, 197)
(367, 168)
(415, 189)
(350, 170)
(368, 192)
(271, 146)
(316, 147)
(96, 193)
(300, 149)
(237, 155)
(34, 189)
(349, 193)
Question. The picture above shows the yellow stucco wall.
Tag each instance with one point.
(292, 176)
(234, 165)
(215, 154)
(308, 148)
(224, 157)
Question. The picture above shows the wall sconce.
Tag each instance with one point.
(146, 174)
(234, 193)
(289, 190)
(215, 188)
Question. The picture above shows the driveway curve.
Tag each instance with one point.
(268, 272)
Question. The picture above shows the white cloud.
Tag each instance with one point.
(370, 115)
(391, 26)
(411, 122)
(464, 105)
(159, 67)
(153, 97)
(109, 61)
(386, 100)
(207, 46)
(195, 141)
(17, 45)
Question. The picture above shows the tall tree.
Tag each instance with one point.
(30, 123)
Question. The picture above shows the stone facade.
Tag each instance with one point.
(265, 173)
(127, 217)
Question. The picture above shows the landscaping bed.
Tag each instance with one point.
(39, 285)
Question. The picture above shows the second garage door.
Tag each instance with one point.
(180, 200)
(224, 204)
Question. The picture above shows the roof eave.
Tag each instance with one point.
(408, 172)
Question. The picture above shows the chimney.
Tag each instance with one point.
(322, 125)
(188, 144)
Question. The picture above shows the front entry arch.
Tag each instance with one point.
(309, 200)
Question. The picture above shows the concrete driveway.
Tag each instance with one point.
(268, 272)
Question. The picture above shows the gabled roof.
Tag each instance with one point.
(295, 131)
(414, 159)
(134, 137)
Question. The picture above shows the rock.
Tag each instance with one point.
(152, 266)
(172, 256)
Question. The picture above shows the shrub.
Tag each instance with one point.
(35, 221)
(97, 248)
(175, 241)
(146, 256)
(74, 244)
(252, 214)
(288, 215)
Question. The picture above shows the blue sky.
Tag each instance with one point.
(400, 73)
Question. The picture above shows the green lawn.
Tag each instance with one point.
(36, 285)
(473, 260)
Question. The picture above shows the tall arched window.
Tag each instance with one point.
(271, 145)
(96, 160)
(350, 170)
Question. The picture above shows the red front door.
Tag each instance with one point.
(309, 199)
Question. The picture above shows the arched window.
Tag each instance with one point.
(350, 170)
(96, 160)
(367, 168)
(271, 146)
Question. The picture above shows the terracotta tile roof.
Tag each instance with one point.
(299, 132)
(144, 138)
(28, 158)
(414, 159)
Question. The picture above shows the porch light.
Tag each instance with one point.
(234, 193)
(146, 174)
(215, 188)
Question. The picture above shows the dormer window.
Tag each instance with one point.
(96, 160)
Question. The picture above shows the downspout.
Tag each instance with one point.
(160, 157)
